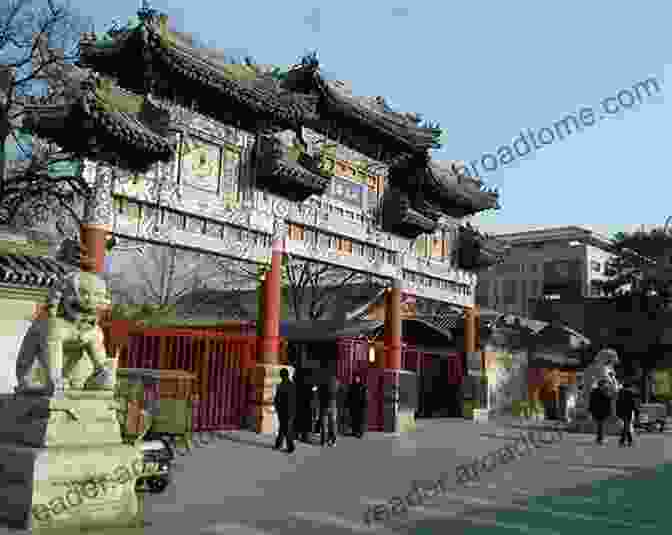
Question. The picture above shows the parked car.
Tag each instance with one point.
(652, 416)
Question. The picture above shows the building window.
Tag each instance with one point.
(296, 232)
(309, 236)
(437, 248)
(522, 268)
(375, 184)
(344, 246)
(324, 241)
(595, 266)
(595, 290)
(358, 249)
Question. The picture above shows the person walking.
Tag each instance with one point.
(327, 394)
(600, 407)
(285, 406)
(626, 404)
(357, 405)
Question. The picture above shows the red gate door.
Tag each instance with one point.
(221, 398)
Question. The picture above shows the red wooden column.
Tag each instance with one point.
(97, 221)
(392, 358)
(474, 354)
(393, 326)
(268, 363)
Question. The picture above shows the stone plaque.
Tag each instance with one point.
(199, 164)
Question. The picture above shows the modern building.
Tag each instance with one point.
(546, 263)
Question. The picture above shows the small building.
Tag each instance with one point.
(554, 262)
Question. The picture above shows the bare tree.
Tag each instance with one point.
(161, 276)
(38, 44)
(315, 288)
(311, 288)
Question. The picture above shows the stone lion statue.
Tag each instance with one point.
(59, 342)
(601, 368)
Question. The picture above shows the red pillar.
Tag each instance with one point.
(393, 326)
(391, 373)
(93, 239)
(267, 367)
(271, 331)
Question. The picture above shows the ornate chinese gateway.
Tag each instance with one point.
(217, 157)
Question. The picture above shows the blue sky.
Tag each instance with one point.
(485, 71)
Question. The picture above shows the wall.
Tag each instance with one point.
(594, 254)
(19, 307)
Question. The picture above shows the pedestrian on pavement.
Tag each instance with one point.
(328, 392)
(357, 404)
(304, 394)
(626, 404)
(600, 407)
(285, 406)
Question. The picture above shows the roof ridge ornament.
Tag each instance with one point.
(146, 11)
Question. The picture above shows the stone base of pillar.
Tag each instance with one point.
(391, 413)
(267, 377)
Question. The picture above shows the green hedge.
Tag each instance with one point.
(527, 409)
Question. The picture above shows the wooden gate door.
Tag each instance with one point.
(221, 398)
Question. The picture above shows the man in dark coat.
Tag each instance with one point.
(328, 394)
(357, 405)
(626, 405)
(285, 406)
(304, 395)
(600, 407)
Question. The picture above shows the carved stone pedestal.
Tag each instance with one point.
(63, 466)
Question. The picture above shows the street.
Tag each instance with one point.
(240, 485)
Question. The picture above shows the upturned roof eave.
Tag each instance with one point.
(141, 142)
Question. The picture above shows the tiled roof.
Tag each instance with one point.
(224, 91)
(296, 178)
(102, 114)
(31, 271)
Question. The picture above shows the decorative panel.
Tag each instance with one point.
(199, 164)
(347, 191)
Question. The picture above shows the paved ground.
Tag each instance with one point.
(239, 485)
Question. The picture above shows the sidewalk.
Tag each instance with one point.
(239, 476)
